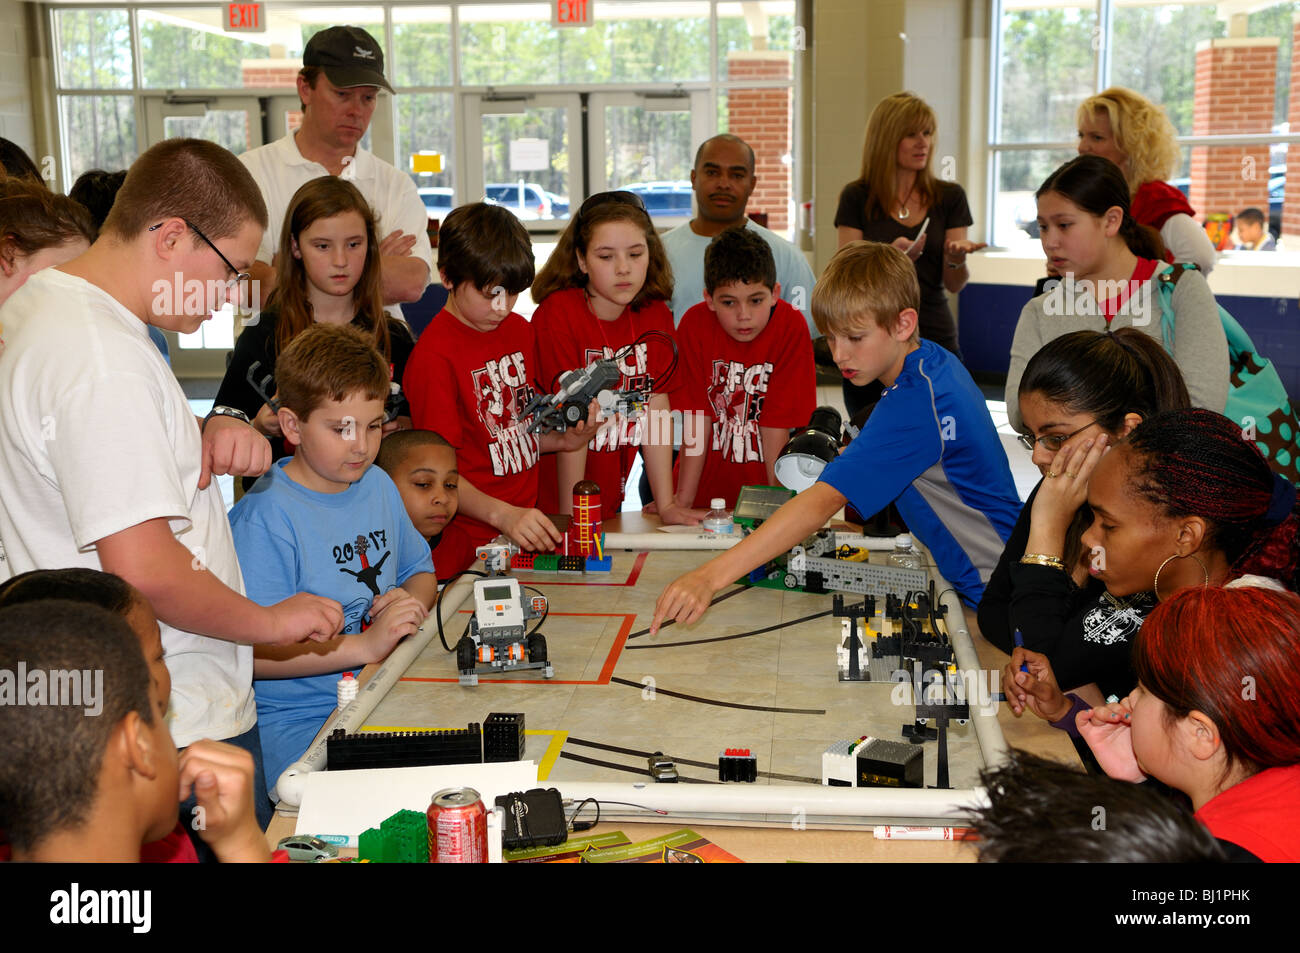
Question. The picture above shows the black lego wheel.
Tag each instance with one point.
(465, 654)
(537, 648)
(791, 581)
(573, 413)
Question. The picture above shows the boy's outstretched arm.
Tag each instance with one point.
(187, 596)
(688, 596)
(528, 527)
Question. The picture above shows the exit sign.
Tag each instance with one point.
(572, 12)
(245, 17)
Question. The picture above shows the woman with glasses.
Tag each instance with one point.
(1079, 395)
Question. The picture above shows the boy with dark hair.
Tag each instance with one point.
(748, 364)
(325, 521)
(929, 446)
(1252, 231)
(423, 465)
(102, 463)
(471, 374)
(1043, 811)
(91, 773)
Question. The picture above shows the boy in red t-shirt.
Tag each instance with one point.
(471, 374)
(749, 371)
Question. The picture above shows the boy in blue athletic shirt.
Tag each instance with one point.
(327, 522)
(929, 446)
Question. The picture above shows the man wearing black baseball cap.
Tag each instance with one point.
(342, 73)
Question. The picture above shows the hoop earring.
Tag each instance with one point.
(1156, 585)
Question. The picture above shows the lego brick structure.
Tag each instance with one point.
(401, 839)
(404, 749)
(503, 736)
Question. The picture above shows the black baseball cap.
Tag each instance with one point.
(349, 56)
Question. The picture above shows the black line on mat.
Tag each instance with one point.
(721, 704)
(677, 760)
(663, 625)
(728, 638)
(644, 772)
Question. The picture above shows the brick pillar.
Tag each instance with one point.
(1291, 199)
(1235, 79)
(270, 73)
(764, 119)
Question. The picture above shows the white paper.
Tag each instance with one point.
(348, 803)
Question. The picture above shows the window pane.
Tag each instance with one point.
(630, 42)
(532, 195)
(421, 46)
(764, 119)
(1220, 181)
(186, 48)
(226, 127)
(98, 132)
(94, 49)
(1014, 210)
(1047, 69)
(649, 153)
(763, 28)
(1154, 53)
(424, 124)
(1277, 21)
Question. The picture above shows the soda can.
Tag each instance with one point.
(457, 827)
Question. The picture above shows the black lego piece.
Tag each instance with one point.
(814, 582)
(571, 564)
(737, 764)
(503, 737)
(890, 764)
(403, 749)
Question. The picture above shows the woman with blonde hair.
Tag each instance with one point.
(1135, 134)
(898, 200)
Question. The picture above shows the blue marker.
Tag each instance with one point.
(1020, 643)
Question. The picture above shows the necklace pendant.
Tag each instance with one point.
(903, 213)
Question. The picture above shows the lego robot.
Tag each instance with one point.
(567, 407)
(496, 641)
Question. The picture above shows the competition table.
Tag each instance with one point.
(757, 672)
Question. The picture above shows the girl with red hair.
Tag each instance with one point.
(1216, 714)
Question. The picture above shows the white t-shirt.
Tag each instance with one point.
(280, 170)
(96, 436)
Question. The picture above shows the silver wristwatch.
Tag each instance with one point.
(223, 411)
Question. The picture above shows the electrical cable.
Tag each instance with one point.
(437, 605)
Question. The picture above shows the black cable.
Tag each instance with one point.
(574, 826)
(545, 612)
(437, 605)
(672, 365)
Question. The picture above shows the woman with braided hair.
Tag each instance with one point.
(1185, 500)
(1109, 266)
(1080, 393)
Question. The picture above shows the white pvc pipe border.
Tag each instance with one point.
(291, 784)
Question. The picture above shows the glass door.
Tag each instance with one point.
(524, 152)
(645, 143)
(234, 122)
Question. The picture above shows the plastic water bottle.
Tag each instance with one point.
(718, 520)
(904, 555)
(347, 689)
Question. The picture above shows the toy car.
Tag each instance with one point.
(307, 848)
(662, 768)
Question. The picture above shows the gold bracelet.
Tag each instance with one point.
(1038, 559)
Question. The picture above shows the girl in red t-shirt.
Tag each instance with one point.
(602, 294)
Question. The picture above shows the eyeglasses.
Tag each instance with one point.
(241, 277)
(1050, 442)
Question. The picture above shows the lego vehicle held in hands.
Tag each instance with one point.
(497, 640)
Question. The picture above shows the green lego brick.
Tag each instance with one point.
(546, 562)
(400, 839)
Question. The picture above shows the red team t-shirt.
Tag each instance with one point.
(470, 386)
(742, 385)
(570, 336)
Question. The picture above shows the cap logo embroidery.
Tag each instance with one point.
(363, 54)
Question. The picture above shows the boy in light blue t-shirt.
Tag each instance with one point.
(327, 522)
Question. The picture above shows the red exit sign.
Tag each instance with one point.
(245, 18)
(573, 13)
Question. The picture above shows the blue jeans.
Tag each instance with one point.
(250, 741)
